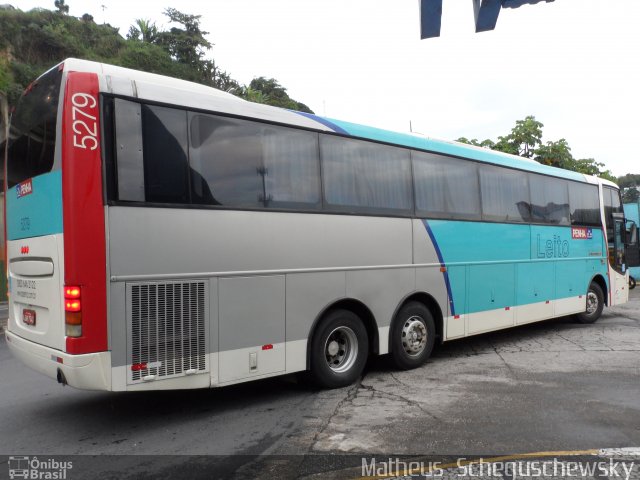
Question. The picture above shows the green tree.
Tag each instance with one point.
(144, 30)
(630, 194)
(255, 96)
(277, 94)
(474, 141)
(62, 7)
(589, 166)
(187, 44)
(525, 140)
(630, 185)
(556, 154)
(215, 77)
(31, 42)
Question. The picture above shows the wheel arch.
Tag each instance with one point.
(600, 281)
(428, 301)
(358, 308)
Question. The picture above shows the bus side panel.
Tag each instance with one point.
(244, 250)
(83, 213)
(505, 274)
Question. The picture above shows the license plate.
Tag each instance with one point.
(29, 317)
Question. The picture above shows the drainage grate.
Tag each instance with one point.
(167, 329)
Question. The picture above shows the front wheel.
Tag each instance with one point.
(339, 350)
(595, 304)
(412, 336)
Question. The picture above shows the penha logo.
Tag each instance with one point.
(24, 188)
(581, 233)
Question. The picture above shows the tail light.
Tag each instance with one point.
(72, 311)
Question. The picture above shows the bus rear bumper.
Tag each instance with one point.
(90, 371)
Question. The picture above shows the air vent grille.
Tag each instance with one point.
(167, 329)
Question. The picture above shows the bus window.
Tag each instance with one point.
(505, 194)
(164, 138)
(252, 164)
(33, 130)
(130, 166)
(549, 200)
(365, 177)
(584, 203)
(445, 187)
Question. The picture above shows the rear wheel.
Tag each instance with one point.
(339, 350)
(412, 336)
(594, 304)
(632, 283)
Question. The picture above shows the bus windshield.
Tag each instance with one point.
(33, 130)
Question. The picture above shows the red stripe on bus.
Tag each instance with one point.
(83, 211)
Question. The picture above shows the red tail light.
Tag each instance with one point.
(72, 311)
(72, 306)
(71, 292)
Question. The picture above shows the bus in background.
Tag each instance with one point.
(632, 214)
(166, 235)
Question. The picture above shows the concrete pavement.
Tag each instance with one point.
(555, 385)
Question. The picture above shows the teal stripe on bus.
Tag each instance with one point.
(37, 213)
(455, 149)
(497, 265)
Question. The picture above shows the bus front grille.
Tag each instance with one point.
(168, 337)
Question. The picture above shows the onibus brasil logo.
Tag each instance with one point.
(33, 468)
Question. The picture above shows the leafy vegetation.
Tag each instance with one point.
(630, 186)
(525, 139)
(31, 42)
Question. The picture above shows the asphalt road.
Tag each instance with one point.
(556, 385)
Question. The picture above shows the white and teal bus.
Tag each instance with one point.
(166, 235)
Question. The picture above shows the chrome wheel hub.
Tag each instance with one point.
(414, 336)
(592, 303)
(341, 349)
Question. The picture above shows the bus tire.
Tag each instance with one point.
(594, 304)
(413, 336)
(339, 350)
(632, 283)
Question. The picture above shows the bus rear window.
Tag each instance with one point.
(32, 133)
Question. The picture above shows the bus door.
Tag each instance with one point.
(632, 247)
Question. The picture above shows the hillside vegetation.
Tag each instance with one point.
(31, 42)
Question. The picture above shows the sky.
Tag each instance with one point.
(573, 64)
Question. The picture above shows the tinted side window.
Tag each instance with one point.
(129, 157)
(549, 200)
(445, 187)
(612, 205)
(365, 176)
(585, 205)
(239, 163)
(32, 133)
(164, 139)
(505, 194)
(616, 201)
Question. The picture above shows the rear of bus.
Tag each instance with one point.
(56, 254)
